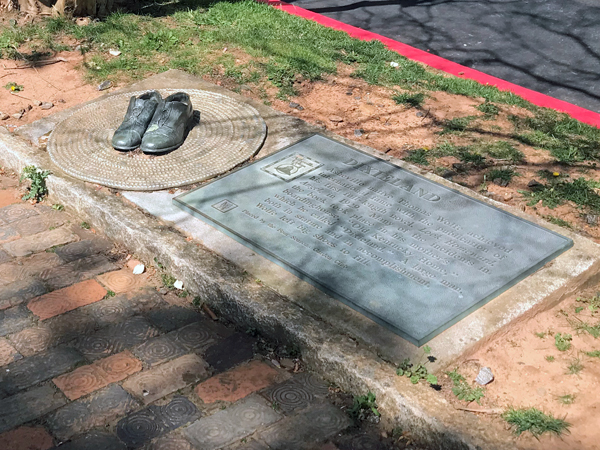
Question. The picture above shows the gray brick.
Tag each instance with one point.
(29, 405)
(87, 247)
(95, 440)
(12, 213)
(117, 309)
(230, 352)
(8, 234)
(93, 411)
(173, 317)
(35, 369)
(171, 441)
(14, 319)
(158, 350)
(21, 291)
(232, 424)
(76, 271)
(4, 257)
(304, 430)
(39, 242)
(298, 392)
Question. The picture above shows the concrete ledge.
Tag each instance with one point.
(342, 345)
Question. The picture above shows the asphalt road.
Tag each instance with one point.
(550, 46)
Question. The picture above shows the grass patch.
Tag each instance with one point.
(504, 176)
(109, 294)
(489, 110)
(419, 156)
(558, 191)
(558, 221)
(85, 225)
(592, 304)
(574, 367)
(563, 341)
(593, 354)
(498, 150)
(592, 330)
(535, 421)
(457, 125)
(462, 390)
(168, 281)
(550, 358)
(567, 399)
(412, 100)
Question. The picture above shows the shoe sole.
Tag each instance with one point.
(125, 149)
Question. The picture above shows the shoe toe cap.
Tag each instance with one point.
(126, 140)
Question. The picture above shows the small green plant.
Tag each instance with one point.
(417, 372)
(558, 221)
(592, 330)
(37, 190)
(504, 176)
(457, 125)
(158, 264)
(364, 406)
(574, 367)
(85, 225)
(109, 294)
(593, 354)
(462, 390)
(419, 156)
(276, 406)
(593, 304)
(197, 301)
(58, 207)
(535, 421)
(562, 341)
(550, 358)
(168, 281)
(541, 334)
(412, 100)
(183, 294)
(578, 309)
(489, 110)
(14, 87)
(567, 399)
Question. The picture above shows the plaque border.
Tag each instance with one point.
(348, 302)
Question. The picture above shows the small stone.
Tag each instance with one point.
(18, 115)
(4, 116)
(357, 98)
(276, 363)
(61, 100)
(139, 269)
(78, 47)
(420, 114)
(114, 52)
(294, 105)
(336, 119)
(178, 284)
(359, 132)
(508, 196)
(37, 103)
(534, 184)
(47, 105)
(105, 85)
(349, 93)
(591, 219)
(485, 376)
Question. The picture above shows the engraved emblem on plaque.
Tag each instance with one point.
(292, 167)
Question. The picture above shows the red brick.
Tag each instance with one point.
(67, 299)
(122, 281)
(8, 353)
(8, 197)
(26, 438)
(237, 383)
(87, 379)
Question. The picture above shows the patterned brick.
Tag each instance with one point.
(9, 196)
(70, 325)
(232, 424)
(119, 308)
(173, 317)
(162, 380)
(230, 352)
(248, 445)
(141, 427)
(14, 319)
(12, 213)
(76, 271)
(297, 393)
(198, 336)
(67, 299)
(237, 383)
(29, 405)
(116, 338)
(35, 369)
(359, 441)
(8, 354)
(169, 442)
(4, 257)
(158, 350)
(27, 268)
(304, 430)
(95, 440)
(93, 411)
(87, 379)
(20, 291)
(26, 438)
(8, 234)
(122, 281)
(29, 227)
(82, 249)
(39, 242)
(33, 340)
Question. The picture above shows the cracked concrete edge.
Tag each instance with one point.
(225, 287)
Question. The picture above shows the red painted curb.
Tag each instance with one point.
(437, 62)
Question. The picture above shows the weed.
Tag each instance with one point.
(85, 225)
(562, 341)
(168, 281)
(550, 358)
(462, 390)
(489, 110)
(541, 334)
(501, 150)
(457, 125)
(504, 175)
(363, 407)
(183, 294)
(593, 354)
(592, 330)
(574, 367)
(555, 193)
(473, 158)
(158, 264)
(109, 294)
(419, 156)
(417, 372)
(559, 222)
(197, 301)
(535, 421)
(276, 406)
(593, 304)
(14, 87)
(567, 399)
(58, 207)
(578, 309)
(412, 100)
(38, 189)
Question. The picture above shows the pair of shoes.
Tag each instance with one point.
(154, 124)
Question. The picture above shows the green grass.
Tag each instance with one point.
(593, 354)
(563, 341)
(85, 225)
(489, 110)
(462, 390)
(558, 191)
(567, 399)
(592, 330)
(550, 358)
(498, 150)
(574, 367)
(168, 281)
(419, 156)
(558, 221)
(535, 421)
(412, 100)
(501, 174)
(457, 125)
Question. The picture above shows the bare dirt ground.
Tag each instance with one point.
(354, 109)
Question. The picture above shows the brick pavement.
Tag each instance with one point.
(92, 357)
